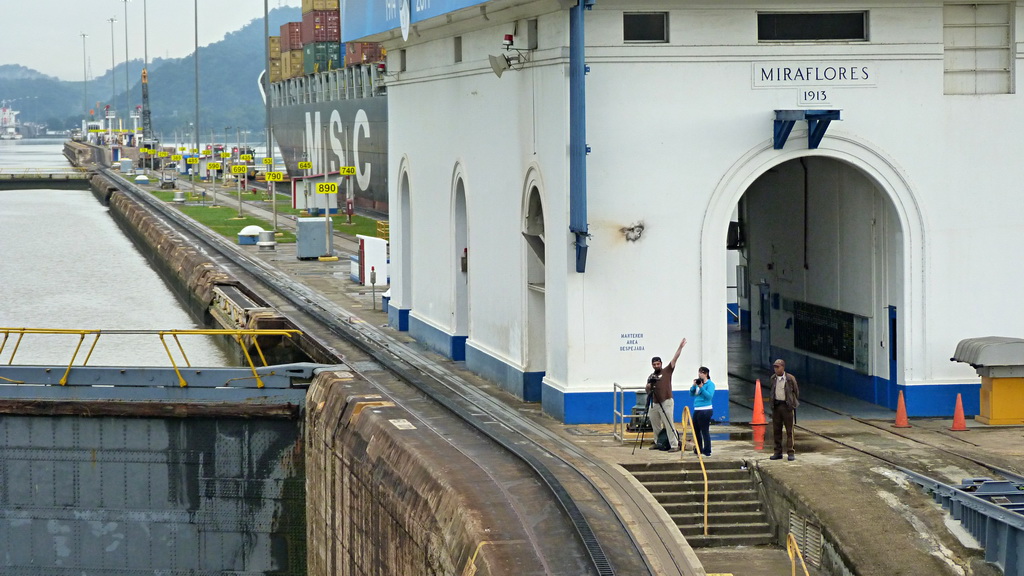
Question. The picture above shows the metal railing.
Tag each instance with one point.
(237, 335)
(58, 173)
(794, 553)
(620, 417)
(687, 423)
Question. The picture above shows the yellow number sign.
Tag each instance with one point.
(163, 154)
(192, 160)
(347, 171)
(238, 169)
(182, 149)
(225, 154)
(176, 157)
(275, 176)
(326, 188)
(195, 151)
(246, 157)
(305, 165)
(213, 165)
(268, 161)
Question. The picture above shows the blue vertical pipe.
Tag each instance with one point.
(578, 133)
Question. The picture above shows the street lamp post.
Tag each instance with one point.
(195, 56)
(270, 139)
(113, 84)
(85, 76)
(127, 88)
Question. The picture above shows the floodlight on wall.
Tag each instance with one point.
(503, 62)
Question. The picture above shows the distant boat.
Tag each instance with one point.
(9, 123)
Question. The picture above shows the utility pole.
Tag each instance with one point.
(85, 76)
(127, 77)
(147, 125)
(195, 56)
(113, 84)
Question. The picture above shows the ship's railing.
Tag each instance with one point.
(251, 335)
(353, 82)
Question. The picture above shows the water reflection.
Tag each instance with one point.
(66, 264)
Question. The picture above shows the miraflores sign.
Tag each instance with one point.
(824, 74)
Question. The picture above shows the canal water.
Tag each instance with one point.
(126, 496)
(66, 264)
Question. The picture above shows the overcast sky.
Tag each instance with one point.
(46, 34)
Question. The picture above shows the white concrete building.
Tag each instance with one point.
(871, 244)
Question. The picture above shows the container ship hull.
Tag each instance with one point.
(336, 133)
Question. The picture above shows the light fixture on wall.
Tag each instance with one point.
(507, 61)
(382, 70)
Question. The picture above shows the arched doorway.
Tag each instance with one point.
(823, 267)
(460, 282)
(536, 327)
(405, 287)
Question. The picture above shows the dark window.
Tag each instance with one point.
(645, 27)
(796, 26)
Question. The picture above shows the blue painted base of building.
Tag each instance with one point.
(453, 347)
(599, 407)
(398, 318)
(922, 400)
(523, 385)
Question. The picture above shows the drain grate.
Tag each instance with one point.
(808, 538)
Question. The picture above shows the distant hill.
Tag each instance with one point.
(228, 93)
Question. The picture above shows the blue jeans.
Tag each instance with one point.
(702, 425)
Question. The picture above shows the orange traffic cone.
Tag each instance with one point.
(959, 423)
(901, 414)
(758, 419)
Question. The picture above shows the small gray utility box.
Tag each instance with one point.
(312, 240)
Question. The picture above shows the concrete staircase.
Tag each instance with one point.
(736, 516)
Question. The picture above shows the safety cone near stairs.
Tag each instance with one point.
(901, 413)
(959, 423)
(758, 418)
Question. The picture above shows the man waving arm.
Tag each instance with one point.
(678, 352)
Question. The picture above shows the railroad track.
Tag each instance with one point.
(967, 459)
(599, 499)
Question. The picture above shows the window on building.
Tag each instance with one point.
(977, 51)
(812, 26)
(458, 49)
(401, 60)
(645, 27)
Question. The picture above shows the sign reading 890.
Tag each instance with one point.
(327, 188)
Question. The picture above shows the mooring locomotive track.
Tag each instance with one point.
(617, 529)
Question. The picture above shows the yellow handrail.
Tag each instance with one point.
(688, 428)
(794, 552)
(236, 334)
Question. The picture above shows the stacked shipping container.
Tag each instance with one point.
(274, 48)
(314, 45)
(321, 36)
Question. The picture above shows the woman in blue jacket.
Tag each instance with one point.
(703, 390)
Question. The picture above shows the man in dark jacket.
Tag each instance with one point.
(785, 398)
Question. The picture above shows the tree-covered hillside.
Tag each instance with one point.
(228, 93)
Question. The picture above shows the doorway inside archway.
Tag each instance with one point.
(536, 331)
(816, 253)
(460, 310)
